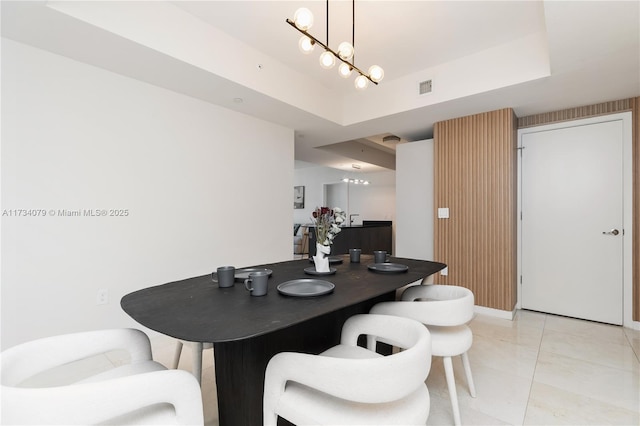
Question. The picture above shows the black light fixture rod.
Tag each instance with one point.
(353, 28)
(328, 23)
(325, 47)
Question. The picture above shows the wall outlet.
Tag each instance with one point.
(103, 296)
(445, 271)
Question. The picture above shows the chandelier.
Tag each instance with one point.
(356, 181)
(303, 20)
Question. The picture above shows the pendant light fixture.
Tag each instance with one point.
(303, 21)
(354, 180)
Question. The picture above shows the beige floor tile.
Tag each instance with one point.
(598, 351)
(523, 333)
(552, 406)
(440, 414)
(503, 355)
(499, 395)
(634, 340)
(530, 318)
(586, 329)
(620, 388)
(209, 396)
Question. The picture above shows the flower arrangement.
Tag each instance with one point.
(327, 222)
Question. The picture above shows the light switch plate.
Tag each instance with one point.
(443, 212)
(445, 271)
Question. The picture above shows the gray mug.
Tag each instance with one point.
(257, 283)
(354, 255)
(379, 256)
(226, 276)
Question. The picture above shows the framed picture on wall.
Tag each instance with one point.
(298, 197)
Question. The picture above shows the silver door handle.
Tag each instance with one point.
(612, 232)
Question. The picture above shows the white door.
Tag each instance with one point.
(572, 221)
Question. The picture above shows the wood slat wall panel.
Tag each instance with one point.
(633, 105)
(475, 177)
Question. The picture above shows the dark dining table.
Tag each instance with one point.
(246, 331)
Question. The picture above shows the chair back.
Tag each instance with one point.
(365, 377)
(439, 305)
(25, 360)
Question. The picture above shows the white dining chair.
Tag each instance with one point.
(196, 356)
(140, 391)
(445, 310)
(349, 384)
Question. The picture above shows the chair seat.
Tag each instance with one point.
(450, 341)
(304, 406)
(350, 352)
(124, 371)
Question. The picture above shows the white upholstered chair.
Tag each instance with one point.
(445, 310)
(348, 384)
(196, 356)
(139, 392)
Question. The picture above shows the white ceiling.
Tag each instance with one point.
(532, 56)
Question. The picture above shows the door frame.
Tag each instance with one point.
(627, 212)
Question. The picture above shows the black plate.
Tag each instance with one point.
(305, 287)
(243, 273)
(388, 267)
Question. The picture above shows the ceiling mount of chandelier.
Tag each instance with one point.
(303, 20)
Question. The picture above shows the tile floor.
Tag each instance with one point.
(536, 370)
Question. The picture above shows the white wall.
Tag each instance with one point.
(190, 174)
(414, 200)
(376, 201)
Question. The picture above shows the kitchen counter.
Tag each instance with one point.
(368, 237)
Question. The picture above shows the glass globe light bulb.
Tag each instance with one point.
(345, 50)
(361, 82)
(344, 70)
(376, 73)
(306, 45)
(327, 60)
(303, 19)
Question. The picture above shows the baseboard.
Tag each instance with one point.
(634, 325)
(496, 313)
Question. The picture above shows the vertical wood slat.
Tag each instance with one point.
(475, 177)
(633, 105)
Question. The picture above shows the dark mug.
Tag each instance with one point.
(354, 255)
(226, 276)
(379, 256)
(257, 283)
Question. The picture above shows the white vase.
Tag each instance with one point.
(321, 259)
